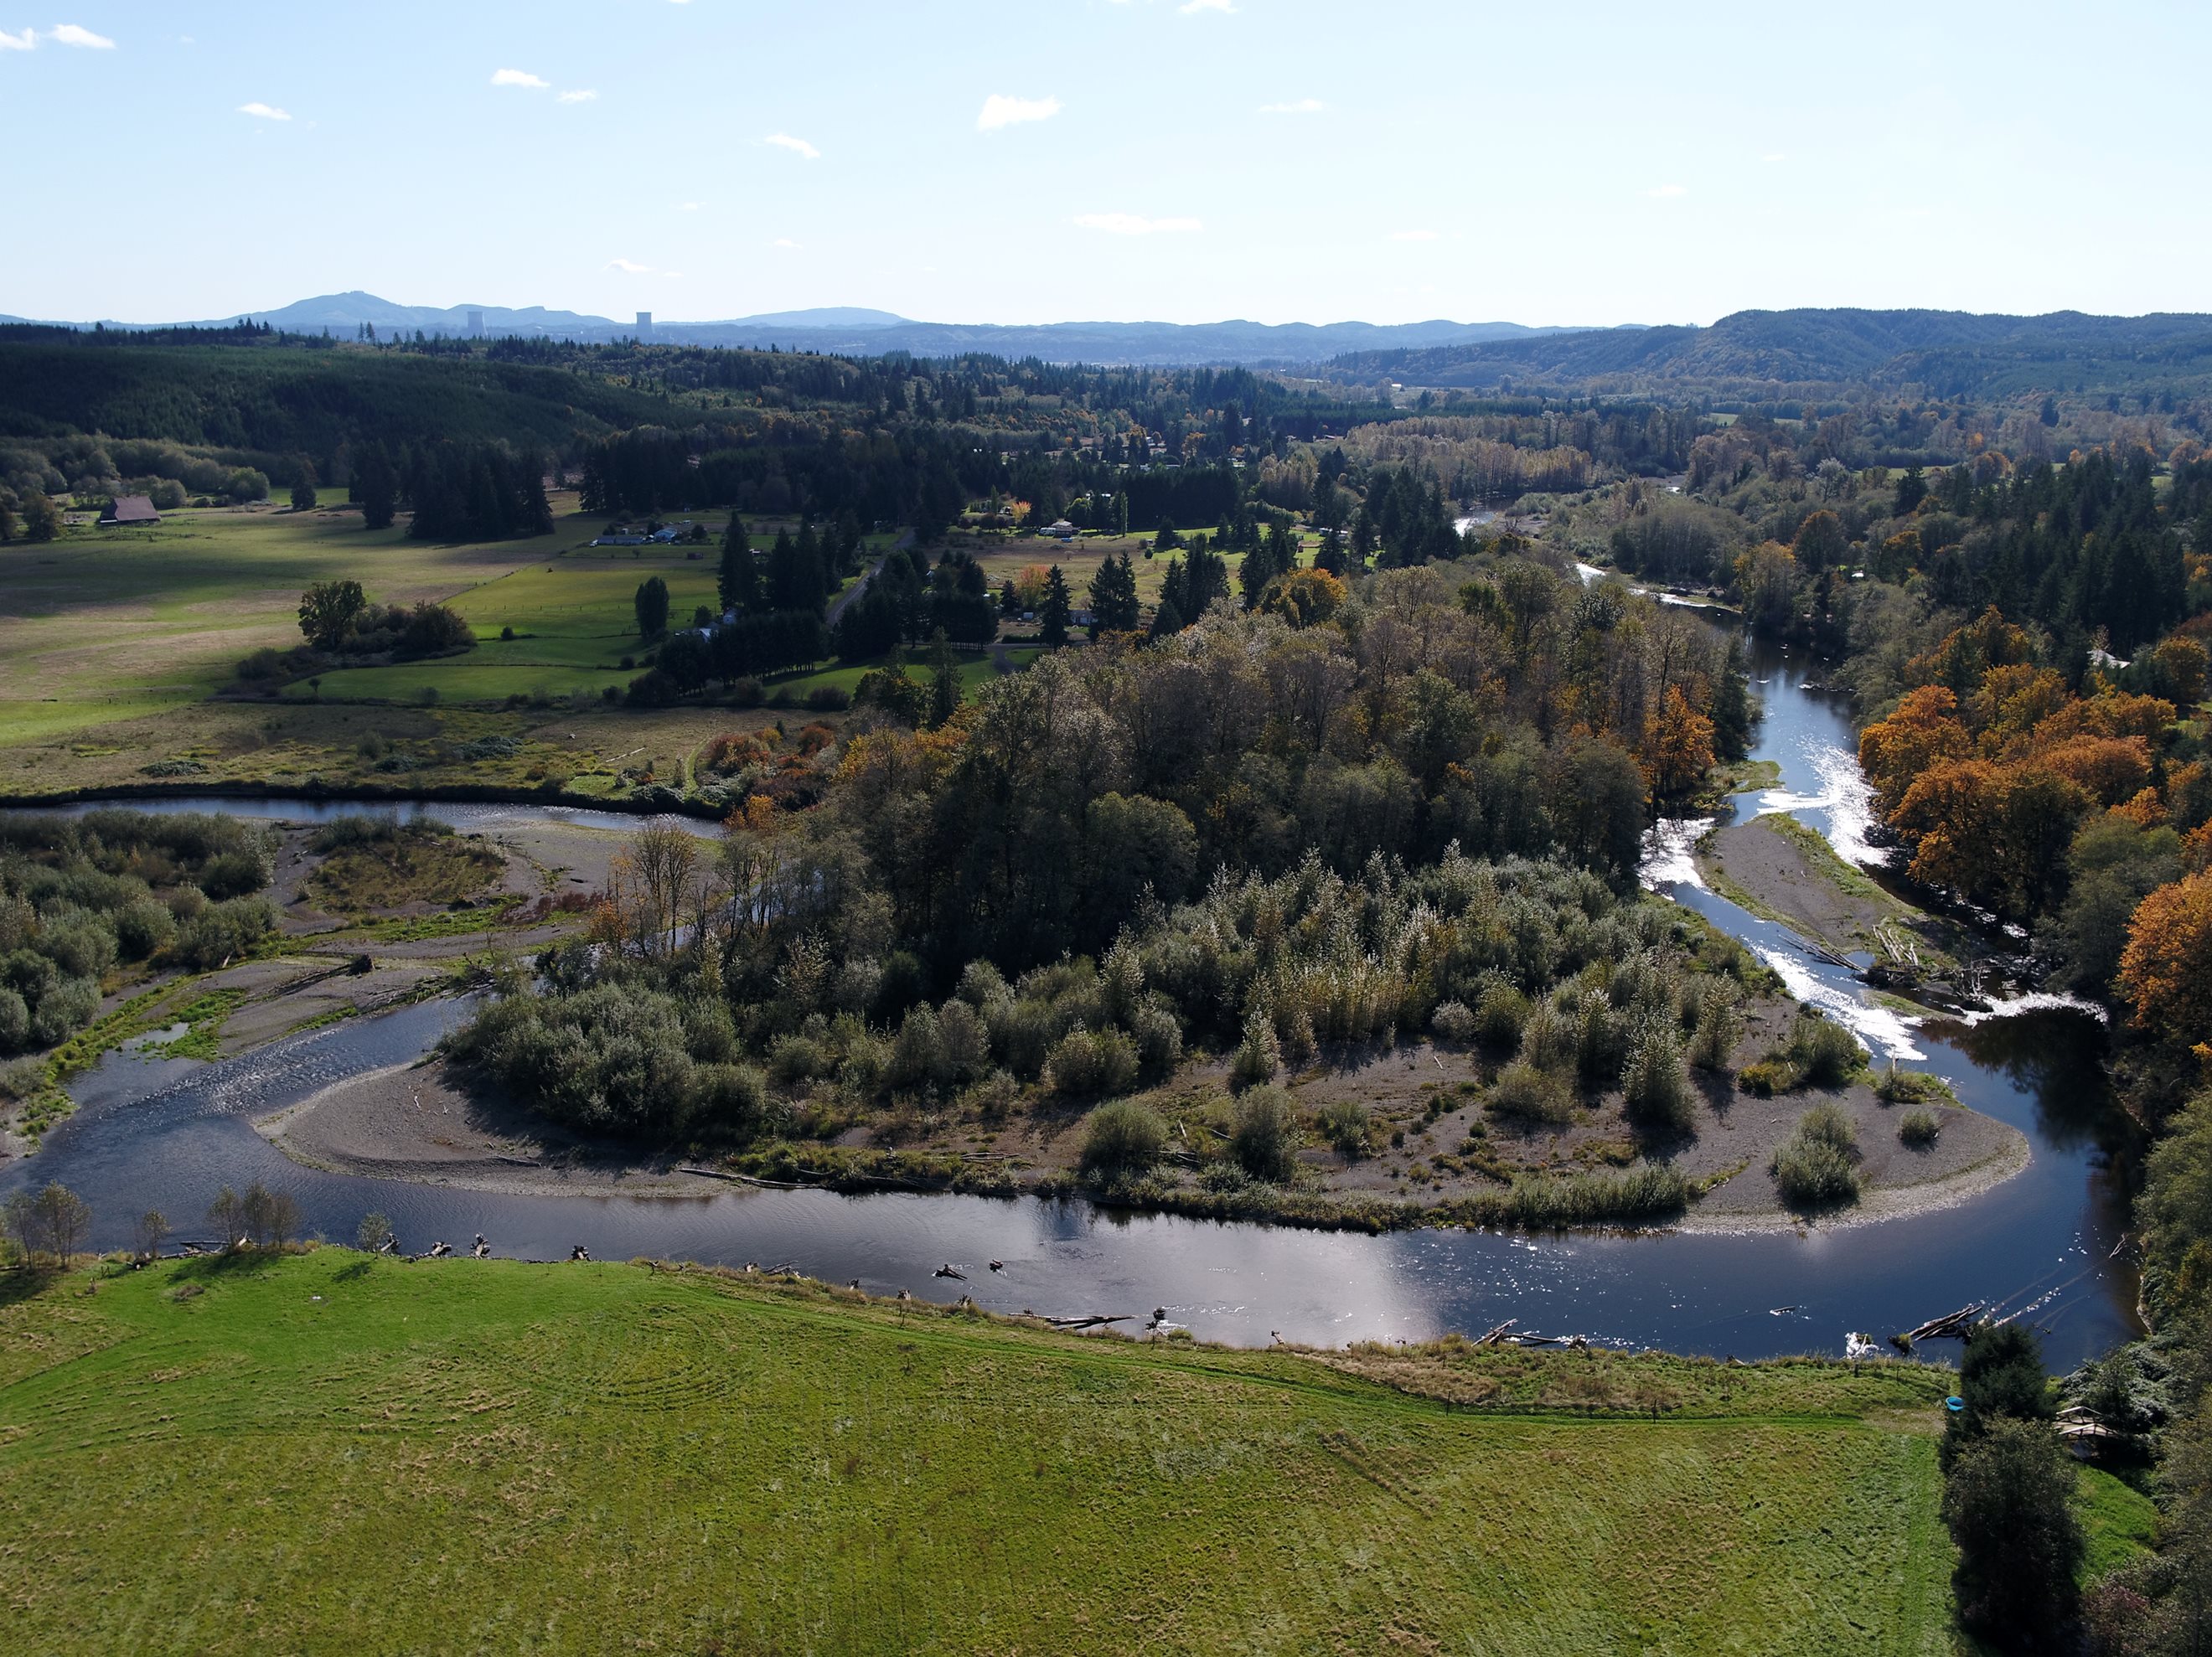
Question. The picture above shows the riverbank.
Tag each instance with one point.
(360, 929)
(458, 1444)
(420, 1124)
(1776, 868)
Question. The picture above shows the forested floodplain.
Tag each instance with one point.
(1217, 789)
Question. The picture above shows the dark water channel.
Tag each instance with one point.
(165, 1134)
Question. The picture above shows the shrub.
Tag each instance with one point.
(1719, 1027)
(1548, 1040)
(992, 1097)
(1085, 1063)
(829, 698)
(1532, 1096)
(1345, 1124)
(1264, 1141)
(796, 1058)
(1919, 1129)
(232, 874)
(1453, 1021)
(725, 1102)
(1499, 1016)
(15, 1022)
(223, 932)
(1122, 1138)
(1259, 1056)
(142, 927)
(1911, 1087)
(1827, 1054)
(1768, 1076)
(1816, 1165)
(746, 691)
(1658, 1092)
(1160, 1041)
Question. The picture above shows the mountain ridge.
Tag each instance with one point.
(857, 329)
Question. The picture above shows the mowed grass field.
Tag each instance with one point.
(330, 1452)
(102, 625)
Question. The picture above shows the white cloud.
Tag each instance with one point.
(796, 145)
(1776, 155)
(68, 34)
(783, 241)
(1190, 6)
(1299, 106)
(518, 77)
(576, 95)
(1130, 224)
(630, 267)
(999, 110)
(1412, 235)
(265, 111)
(688, 207)
(1666, 192)
(22, 42)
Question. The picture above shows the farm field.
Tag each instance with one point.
(102, 625)
(472, 1455)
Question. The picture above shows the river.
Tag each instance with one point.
(166, 1133)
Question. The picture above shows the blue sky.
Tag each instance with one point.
(1038, 160)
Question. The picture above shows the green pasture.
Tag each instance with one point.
(104, 625)
(332, 1452)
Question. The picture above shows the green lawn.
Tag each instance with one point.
(332, 1453)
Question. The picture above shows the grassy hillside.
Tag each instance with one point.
(330, 1453)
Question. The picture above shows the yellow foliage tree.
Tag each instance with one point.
(2166, 969)
(1678, 746)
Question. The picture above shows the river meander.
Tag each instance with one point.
(2045, 1243)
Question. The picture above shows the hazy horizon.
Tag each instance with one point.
(1147, 160)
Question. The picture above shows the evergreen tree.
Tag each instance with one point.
(377, 482)
(813, 557)
(792, 582)
(1732, 710)
(1363, 537)
(1166, 540)
(737, 582)
(303, 484)
(1052, 619)
(650, 604)
(1122, 512)
(1114, 597)
(1206, 579)
(944, 679)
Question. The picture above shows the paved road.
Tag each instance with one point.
(905, 539)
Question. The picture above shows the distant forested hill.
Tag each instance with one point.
(1941, 353)
(281, 399)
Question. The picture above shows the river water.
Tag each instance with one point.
(166, 1134)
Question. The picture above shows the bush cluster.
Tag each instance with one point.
(79, 895)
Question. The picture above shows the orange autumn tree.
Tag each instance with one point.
(1990, 762)
(1925, 728)
(2166, 969)
(1677, 746)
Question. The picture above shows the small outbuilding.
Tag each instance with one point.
(1061, 530)
(131, 509)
